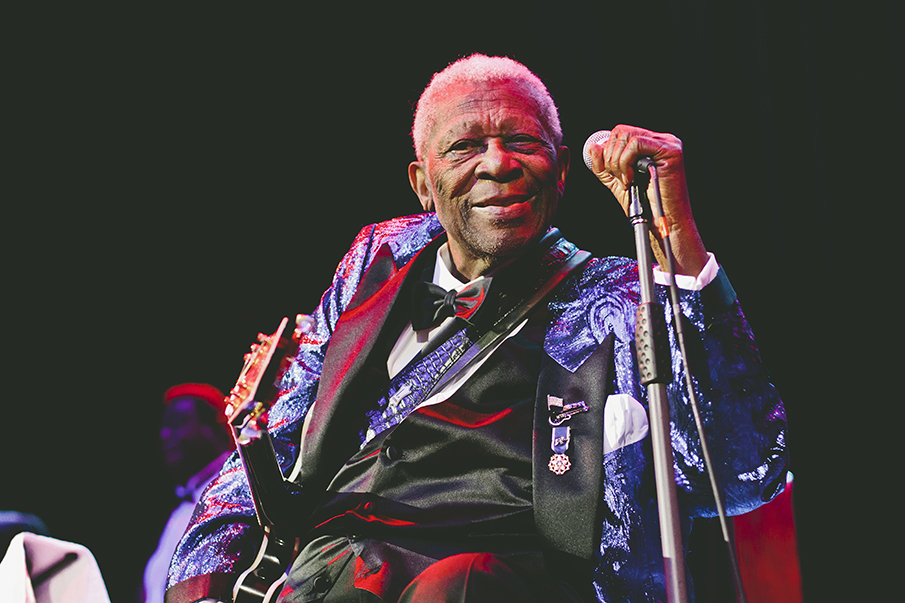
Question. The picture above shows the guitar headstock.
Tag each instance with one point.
(258, 384)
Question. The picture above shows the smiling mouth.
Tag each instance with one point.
(505, 201)
(504, 209)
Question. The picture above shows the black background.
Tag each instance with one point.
(177, 179)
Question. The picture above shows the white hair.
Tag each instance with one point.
(480, 68)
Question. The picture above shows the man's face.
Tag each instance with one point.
(188, 439)
(492, 173)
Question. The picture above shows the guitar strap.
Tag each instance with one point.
(457, 348)
(497, 333)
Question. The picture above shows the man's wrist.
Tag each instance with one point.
(690, 283)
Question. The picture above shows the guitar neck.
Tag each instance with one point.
(277, 502)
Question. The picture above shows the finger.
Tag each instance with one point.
(595, 151)
(637, 146)
(598, 167)
(619, 162)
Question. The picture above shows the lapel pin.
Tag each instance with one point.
(559, 462)
(562, 435)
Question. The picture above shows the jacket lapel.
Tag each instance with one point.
(354, 372)
(567, 507)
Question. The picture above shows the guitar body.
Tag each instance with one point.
(261, 583)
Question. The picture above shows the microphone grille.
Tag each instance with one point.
(599, 136)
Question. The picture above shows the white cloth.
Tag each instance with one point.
(690, 283)
(155, 576)
(79, 581)
(624, 422)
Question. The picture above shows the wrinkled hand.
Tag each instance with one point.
(613, 161)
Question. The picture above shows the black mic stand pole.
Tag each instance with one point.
(654, 365)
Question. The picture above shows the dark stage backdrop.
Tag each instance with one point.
(178, 179)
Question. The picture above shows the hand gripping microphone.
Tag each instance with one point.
(642, 165)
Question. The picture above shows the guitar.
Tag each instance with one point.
(247, 405)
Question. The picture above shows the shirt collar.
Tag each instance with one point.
(444, 277)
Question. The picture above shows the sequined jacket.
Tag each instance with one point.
(741, 410)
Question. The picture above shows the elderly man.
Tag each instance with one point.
(424, 482)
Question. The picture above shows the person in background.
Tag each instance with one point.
(195, 441)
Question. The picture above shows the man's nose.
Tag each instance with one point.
(497, 162)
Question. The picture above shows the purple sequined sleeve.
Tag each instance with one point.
(743, 416)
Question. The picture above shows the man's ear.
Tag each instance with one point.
(418, 180)
(562, 158)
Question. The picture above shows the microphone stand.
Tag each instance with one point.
(654, 364)
(654, 358)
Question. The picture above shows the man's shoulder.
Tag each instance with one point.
(600, 277)
(589, 305)
(605, 273)
(405, 235)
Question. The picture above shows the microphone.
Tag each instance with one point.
(599, 136)
(642, 165)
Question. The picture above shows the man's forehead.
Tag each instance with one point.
(473, 106)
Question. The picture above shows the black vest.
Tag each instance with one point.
(459, 471)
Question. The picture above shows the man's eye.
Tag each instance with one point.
(523, 141)
(462, 146)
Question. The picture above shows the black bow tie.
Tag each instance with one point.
(431, 304)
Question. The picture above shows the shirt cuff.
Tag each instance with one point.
(690, 283)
